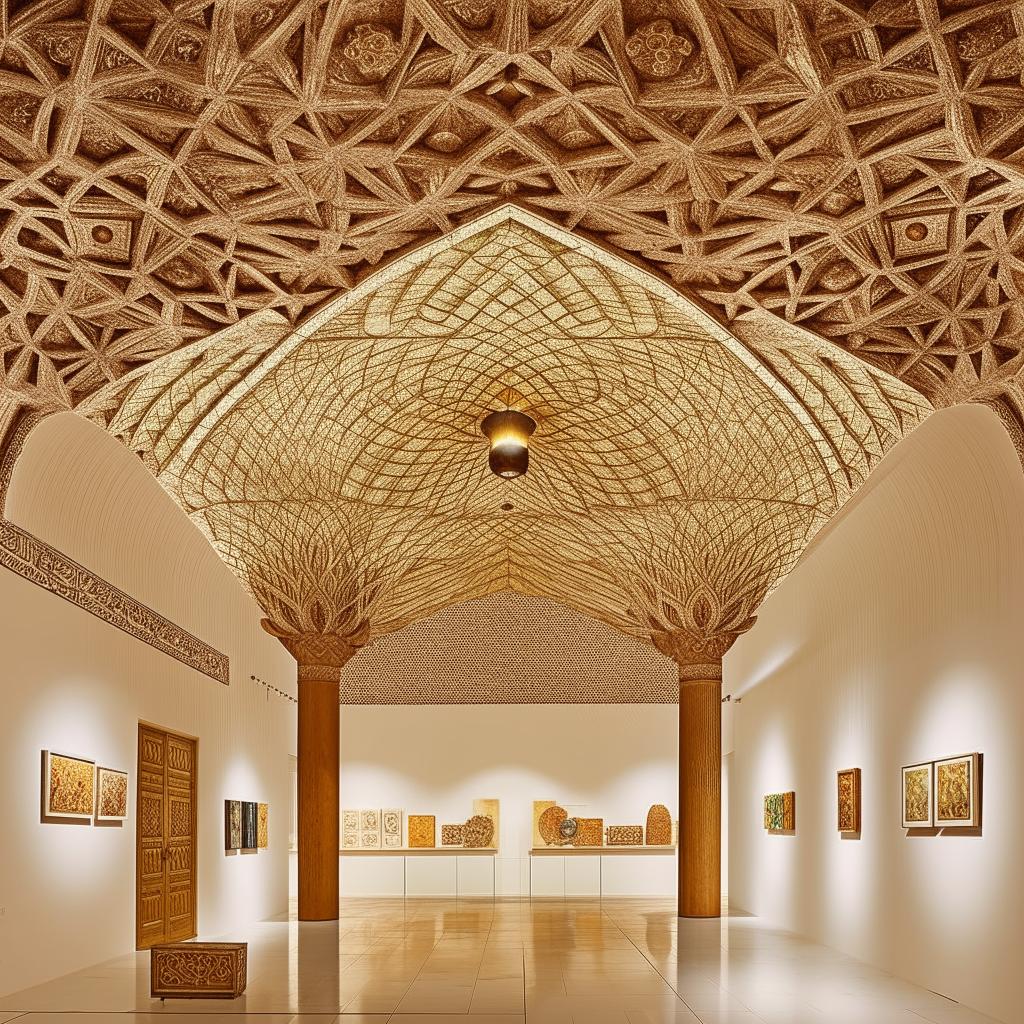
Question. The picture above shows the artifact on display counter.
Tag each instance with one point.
(69, 786)
(567, 829)
(848, 797)
(917, 795)
(589, 832)
(478, 832)
(249, 825)
(422, 834)
(111, 794)
(391, 827)
(659, 826)
(361, 829)
(198, 970)
(262, 826)
(780, 812)
(232, 824)
(958, 792)
(625, 835)
(451, 835)
(489, 807)
(547, 823)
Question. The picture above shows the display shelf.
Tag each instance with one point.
(595, 851)
(421, 851)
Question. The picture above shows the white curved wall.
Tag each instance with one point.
(897, 639)
(76, 684)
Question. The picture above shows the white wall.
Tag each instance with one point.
(897, 639)
(75, 684)
(606, 760)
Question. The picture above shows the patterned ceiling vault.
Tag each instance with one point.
(189, 190)
(678, 471)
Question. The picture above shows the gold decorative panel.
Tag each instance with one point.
(958, 792)
(421, 829)
(848, 799)
(69, 786)
(111, 794)
(918, 780)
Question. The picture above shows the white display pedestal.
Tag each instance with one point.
(413, 873)
(576, 872)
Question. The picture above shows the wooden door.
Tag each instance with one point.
(165, 838)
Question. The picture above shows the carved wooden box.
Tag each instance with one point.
(198, 970)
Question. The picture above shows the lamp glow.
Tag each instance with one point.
(509, 434)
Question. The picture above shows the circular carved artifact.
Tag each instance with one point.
(478, 832)
(102, 234)
(549, 825)
(568, 828)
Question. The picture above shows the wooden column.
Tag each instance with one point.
(319, 838)
(700, 794)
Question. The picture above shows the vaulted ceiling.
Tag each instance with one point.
(196, 196)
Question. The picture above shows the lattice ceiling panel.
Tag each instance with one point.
(168, 167)
(677, 471)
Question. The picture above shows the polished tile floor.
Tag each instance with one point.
(509, 962)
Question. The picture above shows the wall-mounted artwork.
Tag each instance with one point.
(250, 825)
(957, 792)
(421, 828)
(69, 786)
(659, 826)
(350, 830)
(848, 800)
(451, 835)
(917, 795)
(391, 828)
(232, 824)
(111, 794)
(263, 826)
(589, 832)
(625, 835)
(780, 812)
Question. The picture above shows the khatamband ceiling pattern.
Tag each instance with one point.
(168, 167)
(678, 470)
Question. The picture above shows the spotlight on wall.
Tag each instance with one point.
(509, 434)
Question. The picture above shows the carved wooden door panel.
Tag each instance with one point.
(165, 838)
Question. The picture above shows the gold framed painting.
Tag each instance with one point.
(262, 826)
(780, 812)
(848, 800)
(111, 794)
(69, 786)
(958, 792)
(916, 799)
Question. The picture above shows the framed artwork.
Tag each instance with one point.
(262, 826)
(780, 812)
(250, 826)
(111, 794)
(391, 827)
(369, 830)
(232, 824)
(422, 833)
(69, 786)
(958, 792)
(659, 826)
(917, 795)
(848, 800)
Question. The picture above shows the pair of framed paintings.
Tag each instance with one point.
(75, 787)
(943, 794)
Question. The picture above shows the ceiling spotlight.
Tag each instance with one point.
(509, 433)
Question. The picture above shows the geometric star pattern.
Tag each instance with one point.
(677, 470)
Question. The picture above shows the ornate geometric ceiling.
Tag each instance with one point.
(678, 470)
(202, 177)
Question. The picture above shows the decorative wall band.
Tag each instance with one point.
(37, 561)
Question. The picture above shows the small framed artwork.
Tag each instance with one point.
(780, 812)
(958, 792)
(263, 826)
(917, 795)
(111, 794)
(69, 786)
(250, 827)
(232, 824)
(848, 800)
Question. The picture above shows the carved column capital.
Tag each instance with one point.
(321, 656)
(699, 657)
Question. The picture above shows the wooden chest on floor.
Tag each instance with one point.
(198, 970)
